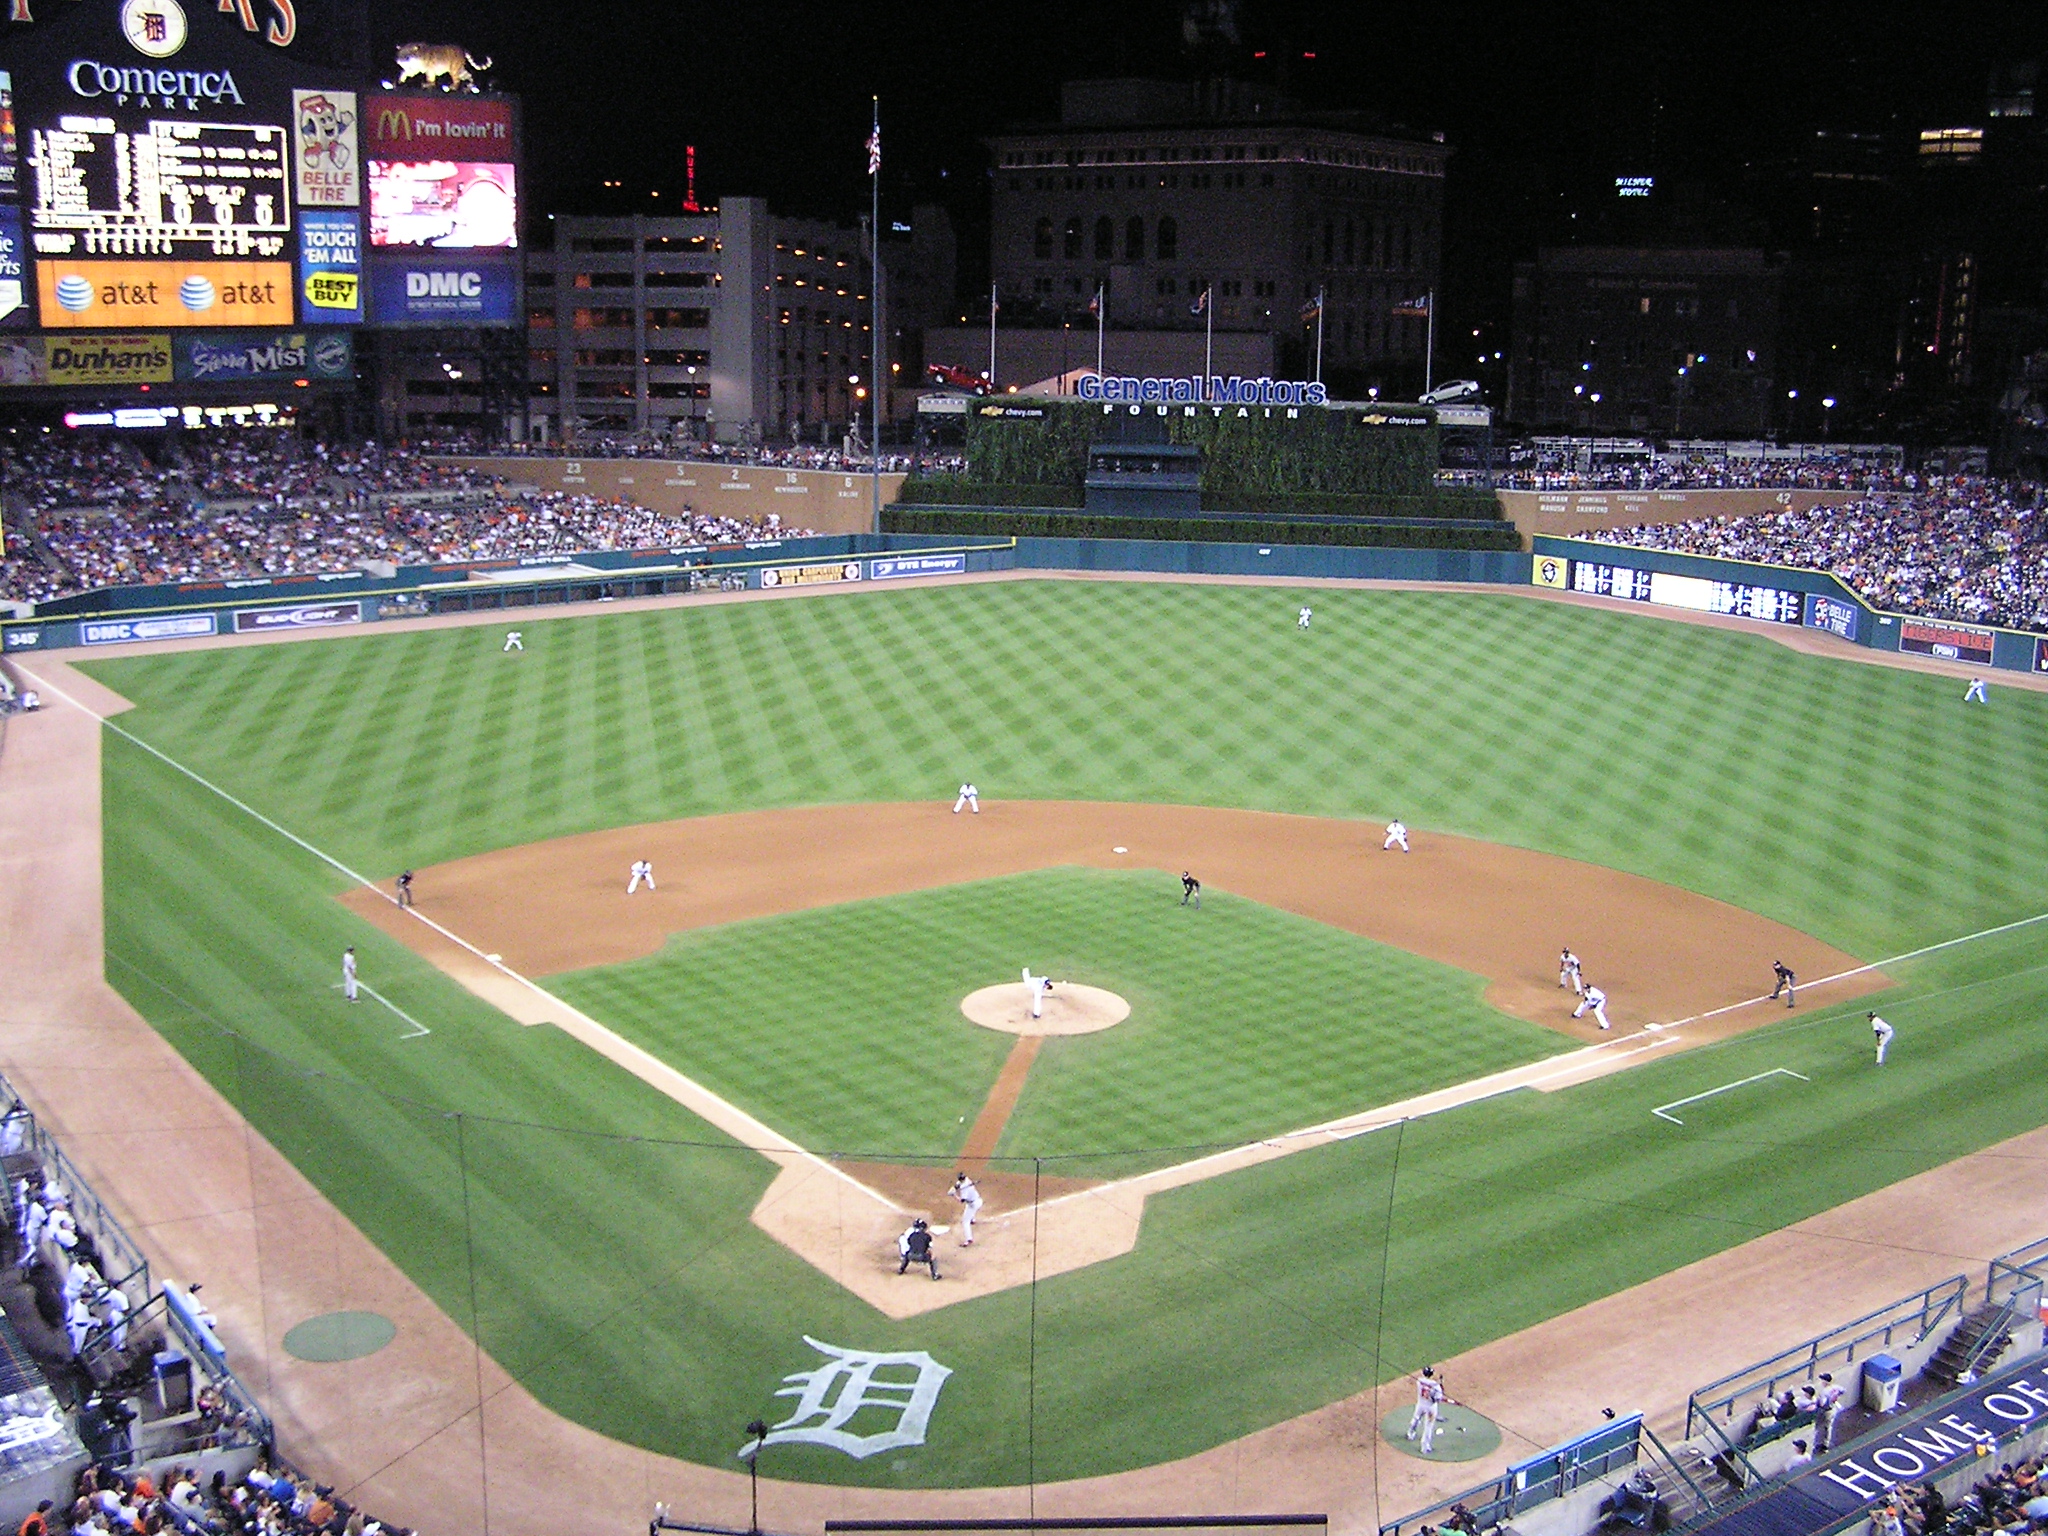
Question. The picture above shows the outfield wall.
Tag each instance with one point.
(824, 501)
(1560, 514)
(1750, 589)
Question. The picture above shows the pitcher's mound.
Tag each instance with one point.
(1069, 1009)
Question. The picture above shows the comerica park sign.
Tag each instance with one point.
(1197, 390)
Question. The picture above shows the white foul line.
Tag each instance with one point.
(1659, 1111)
(418, 1028)
(645, 1065)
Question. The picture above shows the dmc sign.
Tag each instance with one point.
(443, 285)
(1197, 390)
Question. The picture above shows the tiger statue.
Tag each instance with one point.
(429, 62)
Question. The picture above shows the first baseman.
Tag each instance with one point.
(970, 797)
(348, 973)
(970, 1207)
(1787, 982)
(1884, 1033)
(1568, 971)
(1397, 836)
(1594, 999)
(643, 869)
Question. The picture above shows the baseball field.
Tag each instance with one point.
(1679, 804)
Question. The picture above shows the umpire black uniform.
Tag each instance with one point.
(915, 1247)
(1786, 981)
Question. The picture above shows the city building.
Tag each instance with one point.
(1155, 193)
(731, 324)
(1678, 342)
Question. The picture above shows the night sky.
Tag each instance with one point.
(1544, 103)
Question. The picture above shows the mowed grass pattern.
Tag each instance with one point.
(1245, 1021)
(594, 1237)
(1860, 803)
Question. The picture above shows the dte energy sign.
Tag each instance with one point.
(1197, 390)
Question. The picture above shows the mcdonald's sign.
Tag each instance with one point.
(438, 127)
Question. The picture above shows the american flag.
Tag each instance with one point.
(875, 149)
(1095, 304)
(1311, 309)
(1416, 306)
(1200, 304)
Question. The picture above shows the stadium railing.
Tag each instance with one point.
(1556, 1473)
(1914, 1318)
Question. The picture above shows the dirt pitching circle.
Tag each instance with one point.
(1069, 1009)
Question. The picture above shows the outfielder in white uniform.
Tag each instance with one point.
(1302, 621)
(1568, 971)
(348, 973)
(1975, 691)
(970, 1207)
(1884, 1033)
(642, 871)
(1429, 1402)
(513, 642)
(1594, 999)
(1038, 987)
(970, 797)
(1397, 836)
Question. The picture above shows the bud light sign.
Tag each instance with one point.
(477, 290)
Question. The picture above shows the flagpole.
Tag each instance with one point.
(1101, 321)
(1209, 338)
(1321, 301)
(1429, 348)
(991, 335)
(877, 367)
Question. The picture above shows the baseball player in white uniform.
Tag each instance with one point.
(1429, 1403)
(970, 1207)
(1301, 622)
(1884, 1033)
(1594, 999)
(1397, 836)
(642, 872)
(1038, 986)
(1568, 971)
(970, 797)
(514, 641)
(348, 973)
(1975, 691)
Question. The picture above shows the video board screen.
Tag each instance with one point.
(444, 205)
(1695, 592)
(166, 188)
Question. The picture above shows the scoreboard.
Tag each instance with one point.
(165, 188)
(1700, 594)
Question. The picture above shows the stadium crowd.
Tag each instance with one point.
(268, 1501)
(268, 505)
(1547, 468)
(1948, 547)
(2011, 1500)
(767, 455)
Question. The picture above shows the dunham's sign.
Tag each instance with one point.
(1197, 390)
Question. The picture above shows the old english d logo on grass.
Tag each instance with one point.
(850, 1380)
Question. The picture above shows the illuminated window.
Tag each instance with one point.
(1952, 143)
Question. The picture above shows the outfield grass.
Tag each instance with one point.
(602, 1231)
(842, 1026)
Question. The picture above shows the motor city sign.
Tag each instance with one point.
(1198, 390)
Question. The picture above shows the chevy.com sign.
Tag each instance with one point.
(475, 289)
